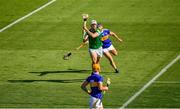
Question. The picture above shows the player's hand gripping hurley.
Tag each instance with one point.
(108, 82)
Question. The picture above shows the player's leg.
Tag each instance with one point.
(99, 104)
(95, 103)
(98, 59)
(109, 57)
(92, 102)
(113, 51)
(99, 54)
(93, 55)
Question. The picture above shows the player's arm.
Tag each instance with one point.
(85, 38)
(113, 34)
(84, 88)
(101, 87)
(93, 35)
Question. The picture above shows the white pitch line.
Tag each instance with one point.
(167, 82)
(149, 83)
(24, 17)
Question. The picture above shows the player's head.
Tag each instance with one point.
(96, 67)
(100, 26)
(93, 24)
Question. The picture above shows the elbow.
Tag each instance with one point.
(112, 33)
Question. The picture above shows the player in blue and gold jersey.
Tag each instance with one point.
(96, 84)
(108, 48)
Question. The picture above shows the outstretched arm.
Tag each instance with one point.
(113, 34)
(93, 35)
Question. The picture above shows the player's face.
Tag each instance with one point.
(100, 27)
(94, 26)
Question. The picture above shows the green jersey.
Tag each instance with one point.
(95, 43)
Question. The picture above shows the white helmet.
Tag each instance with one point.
(93, 22)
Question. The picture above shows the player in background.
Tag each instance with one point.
(93, 35)
(108, 48)
(96, 84)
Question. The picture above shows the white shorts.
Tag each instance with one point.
(95, 103)
(98, 51)
(108, 49)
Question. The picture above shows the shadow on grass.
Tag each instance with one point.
(57, 81)
(42, 73)
(109, 73)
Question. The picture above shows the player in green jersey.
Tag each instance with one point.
(93, 35)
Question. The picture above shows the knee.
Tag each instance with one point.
(115, 54)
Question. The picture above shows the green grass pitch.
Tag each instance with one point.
(33, 73)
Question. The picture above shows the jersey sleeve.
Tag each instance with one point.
(107, 31)
(100, 79)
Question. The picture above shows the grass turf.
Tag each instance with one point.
(163, 93)
(33, 73)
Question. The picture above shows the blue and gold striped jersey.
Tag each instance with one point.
(94, 79)
(105, 38)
